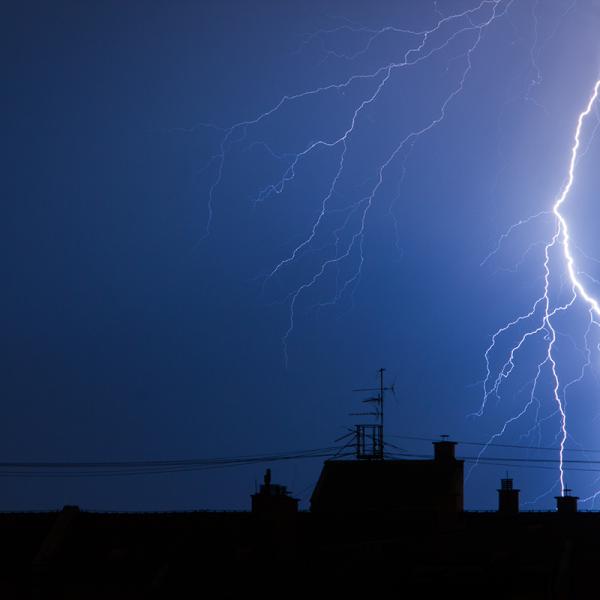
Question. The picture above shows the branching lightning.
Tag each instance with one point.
(543, 311)
(335, 241)
(466, 27)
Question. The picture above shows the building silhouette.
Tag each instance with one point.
(508, 497)
(352, 486)
(376, 526)
(273, 499)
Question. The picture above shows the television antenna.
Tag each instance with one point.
(369, 436)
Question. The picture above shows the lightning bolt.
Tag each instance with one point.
(346, 249)
(543, 312)
(332, 248)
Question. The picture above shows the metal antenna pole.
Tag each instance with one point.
(375, 431)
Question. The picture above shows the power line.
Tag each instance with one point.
(465, 443)
(524, 463)
(126, 468)
(49, 469)
(528, 466)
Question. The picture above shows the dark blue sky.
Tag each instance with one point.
(129, 334)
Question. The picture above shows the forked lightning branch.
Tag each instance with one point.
(543, 311)
(341, 261)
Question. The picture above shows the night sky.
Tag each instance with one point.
(135, 326)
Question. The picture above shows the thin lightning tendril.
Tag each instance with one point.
(471, 22)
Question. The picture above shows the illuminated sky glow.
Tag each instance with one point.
(539, 320)
(221, 217)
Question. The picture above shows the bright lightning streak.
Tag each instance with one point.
(577, 285)
(337, 230)
(562, 198)
(545, 326)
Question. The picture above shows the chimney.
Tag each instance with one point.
(273, 499)
(443, 450)
(566, 504)
(508, 498)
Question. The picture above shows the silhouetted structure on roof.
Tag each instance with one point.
(368, 437)
(351, 486)
(377, 525)
(348, 552)
(566, 504)
(373, 482)
(273, 499)
(508, 497)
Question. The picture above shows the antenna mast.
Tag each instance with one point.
(369, 437)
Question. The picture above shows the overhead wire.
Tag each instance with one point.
(68, 469)
(495, 445)
(150, 467)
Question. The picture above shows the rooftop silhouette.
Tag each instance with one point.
(374, 524)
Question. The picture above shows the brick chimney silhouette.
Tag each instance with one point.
(566, 504)
(508, 497)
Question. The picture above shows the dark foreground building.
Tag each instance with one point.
(392, 485)
(371, 532)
